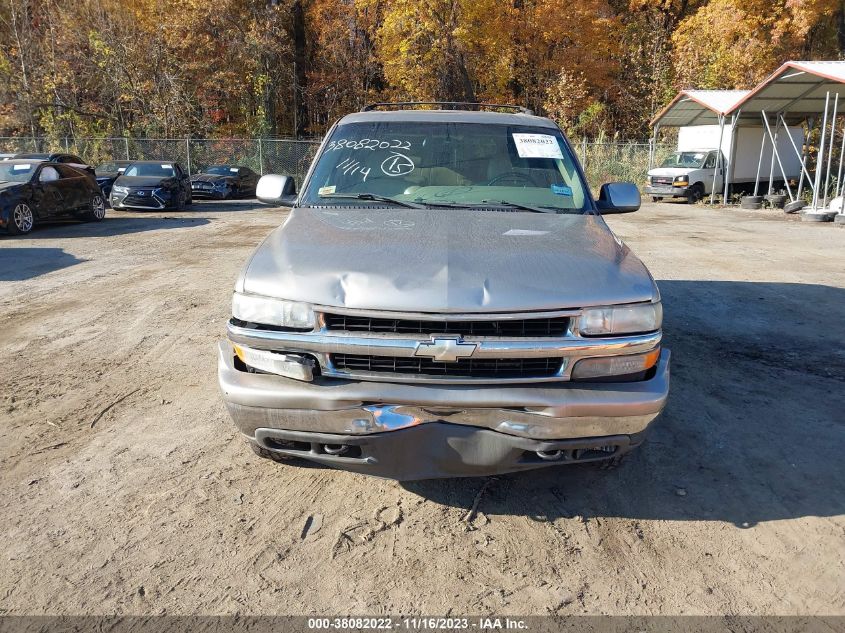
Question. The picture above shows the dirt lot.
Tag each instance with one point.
(124, 488)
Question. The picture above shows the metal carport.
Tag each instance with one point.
(796, 93)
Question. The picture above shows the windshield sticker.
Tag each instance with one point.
(326, 191)
(167, 166)
(371, 144)
(525, 232)
(397, 165)
(351, 166)
(234, 170)
(562, 190)
(537, 146)
(21, 167)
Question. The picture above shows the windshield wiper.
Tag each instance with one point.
(374, 197)
(526, 207)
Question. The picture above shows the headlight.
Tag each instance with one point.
(588, 368)
(681, 180)
(221, 184)
(267, 311)
(289, 365)
(119, 189)
(627, 319)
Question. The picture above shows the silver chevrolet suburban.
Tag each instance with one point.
(444, 299)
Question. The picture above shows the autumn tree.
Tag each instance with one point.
(737, 43)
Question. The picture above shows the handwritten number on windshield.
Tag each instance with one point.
(371, 144)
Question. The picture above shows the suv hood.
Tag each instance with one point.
(445, 260)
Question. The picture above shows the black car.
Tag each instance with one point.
(33, 191)
(151, 184)
(107, 173)
(66, 159)
(223, 182)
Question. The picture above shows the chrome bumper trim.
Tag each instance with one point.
(547, 411)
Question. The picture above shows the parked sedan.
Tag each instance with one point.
(32, 191)
(107, 173)
(223, 182)
(66, 159)
(151, 184)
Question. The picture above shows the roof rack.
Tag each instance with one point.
(452, 105)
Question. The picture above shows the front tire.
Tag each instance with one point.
(96, 209)
(695, 193)
(21, 219)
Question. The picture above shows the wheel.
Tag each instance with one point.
(695, 193)
(751, 202)
(793, 207)
(265, 454)
(21, 220)
(656, 198)
(96, 209)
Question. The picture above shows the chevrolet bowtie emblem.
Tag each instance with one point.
(446, 350)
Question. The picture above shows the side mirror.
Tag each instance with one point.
(618, 197)
(277, 190)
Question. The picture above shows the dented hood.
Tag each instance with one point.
(445, 260)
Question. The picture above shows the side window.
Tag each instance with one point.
(48, 174)
(710, 163)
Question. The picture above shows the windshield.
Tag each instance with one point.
(17, 172)
(222, 170)
(449, 164)
(161, 170)
(685, 159)
(109, 168)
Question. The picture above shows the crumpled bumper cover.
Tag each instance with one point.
(413, 431)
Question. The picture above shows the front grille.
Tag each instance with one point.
(518, 328)
(147, 200)
(463, 368)
(662, 180)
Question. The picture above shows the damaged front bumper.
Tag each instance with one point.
(422, 431)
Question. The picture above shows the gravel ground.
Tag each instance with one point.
(124, 488)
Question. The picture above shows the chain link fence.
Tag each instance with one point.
(265, 156)
(602, 161)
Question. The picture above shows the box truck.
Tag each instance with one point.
(689, 171)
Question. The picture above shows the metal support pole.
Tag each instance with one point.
(841, 156)
(126, 145)
(260, 158)
(830, 150)
(804, 146)
(653, 146)
(776, 155)
(774, 150)
(760, 163)
(820, 154)
(188, 146)
(803, 158)
(731, 155)
(718, 158)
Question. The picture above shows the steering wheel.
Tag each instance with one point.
(513, 176)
